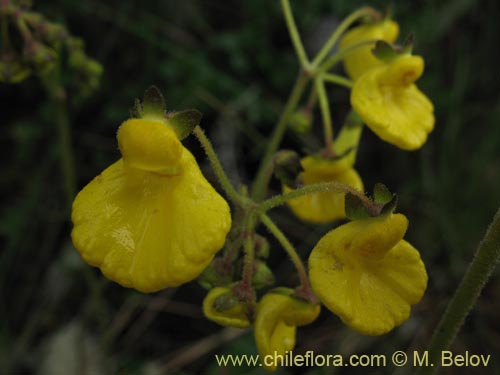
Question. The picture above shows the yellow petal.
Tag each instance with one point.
(328, 206)
(150, 145)
(149, 231)
(361, 60)
(234, 316)
(370, 286)
(392, 106)
(277, 317)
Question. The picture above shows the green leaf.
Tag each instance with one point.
(381, 195)
(153, 104)
(355, 209)
(183, 122)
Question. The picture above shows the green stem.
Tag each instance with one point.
(259, 186)
(342, 54)
(321, 187)
(339, 31)
(338, 80)
(294, 35)
(292, 253)
(217, 167)
(480, 269)
(325, 113)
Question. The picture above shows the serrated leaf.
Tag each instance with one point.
(183, 122)
(390, 206)
(381, 194)
(355, 208)
(153, 104)
(384, 51)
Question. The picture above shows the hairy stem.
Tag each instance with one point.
(320, 187)
(294, 34)
(338, 80)
(292, 253)
(217, 167)
(340, 30)
(480, 269)
(325, 113)
(259, 186)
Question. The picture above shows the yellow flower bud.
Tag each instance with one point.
(222, 307)
(149, 230)
(327, 206)
(365, 272)
(361, 59)
(278, 316)
(392, 106)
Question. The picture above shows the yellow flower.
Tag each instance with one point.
(361, 59)
(222, 307)
(328, 206)
(150, 220)
(278, 316)
(392, 106)
(365, 272)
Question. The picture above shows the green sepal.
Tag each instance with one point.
(384, 51)
(355, 208)
(408, 44)
(225, 302)
(153, 104)
(136, 110)
(390, 206)
(183, 122)
(287, 167)
(381, 195)
(262, 275)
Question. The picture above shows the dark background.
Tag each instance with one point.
(233, 60)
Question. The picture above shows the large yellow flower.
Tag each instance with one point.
(391, 105)
(365, 272)
(277, 319)
(150, 220)
(361, 59)
(328, 206)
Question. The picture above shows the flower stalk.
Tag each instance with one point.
(480, 269)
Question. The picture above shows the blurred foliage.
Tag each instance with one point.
(233, 60)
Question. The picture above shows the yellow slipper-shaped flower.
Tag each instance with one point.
(222, 307)
(365, 273)
(361, 59)
(150, 220)
(277, 319)
(329, 206)
(392, 106)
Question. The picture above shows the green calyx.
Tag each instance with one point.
(153, 107)
(383, 202)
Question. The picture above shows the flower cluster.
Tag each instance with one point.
(151, 220)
